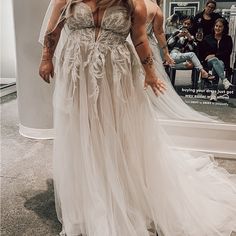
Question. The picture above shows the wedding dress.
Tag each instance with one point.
(114, 169)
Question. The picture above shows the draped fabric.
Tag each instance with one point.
(114, 169)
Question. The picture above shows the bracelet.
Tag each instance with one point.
(46, 59)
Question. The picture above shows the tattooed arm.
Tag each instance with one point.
(140, 41)
(51, 39)
(160, 35)
(50, 42)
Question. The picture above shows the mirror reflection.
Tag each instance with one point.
(202, 43)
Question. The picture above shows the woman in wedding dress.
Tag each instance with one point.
(170, 105)
(114, 168)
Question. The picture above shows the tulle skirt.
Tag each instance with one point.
(114, 169)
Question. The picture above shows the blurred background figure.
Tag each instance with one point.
(204, 21)
(215, 50)
(181, 44)
(172, 24)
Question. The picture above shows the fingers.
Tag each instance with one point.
(169, 61)
(52, 73)
(161, 86)
(45, 77)
(172, 62)
(156, 91)
(158, 87)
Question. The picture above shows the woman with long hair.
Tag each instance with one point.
(215, 50)
(204, 21)
(115, 170)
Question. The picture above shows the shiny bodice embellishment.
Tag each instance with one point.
(87, 51)
(115, 21)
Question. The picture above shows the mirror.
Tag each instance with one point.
(194, 91)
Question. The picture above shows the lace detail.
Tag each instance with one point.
(117, 23)
(114, 30)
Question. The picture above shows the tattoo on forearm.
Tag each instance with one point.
(147, 61)
(50, 41)
(139, 44)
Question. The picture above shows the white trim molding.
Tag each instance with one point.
(216, 138)
(36, 133)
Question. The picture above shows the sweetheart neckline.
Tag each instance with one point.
(104, 14)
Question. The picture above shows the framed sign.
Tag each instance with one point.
(183, 8)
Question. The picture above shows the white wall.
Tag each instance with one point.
(8, 54)
(224, 5)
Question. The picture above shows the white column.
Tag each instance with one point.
(34, 95)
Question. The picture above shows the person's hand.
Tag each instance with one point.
(46, 70)
(181, 34)
(168, 59)
(210, 56)
(157, 85)
(189, 36)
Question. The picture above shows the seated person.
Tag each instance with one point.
(215, 51)
(181, 43)
(172, 24)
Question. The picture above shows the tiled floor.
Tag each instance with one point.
(26, 180)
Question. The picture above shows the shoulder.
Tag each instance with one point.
(139, 13)
(60, 2)
(228, 38)
(138, 4)
(140, 9)
(159, 12)
(216, 15)
(198, 15)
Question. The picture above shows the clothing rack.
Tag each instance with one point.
(230, 15)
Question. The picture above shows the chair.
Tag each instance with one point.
(171, 71)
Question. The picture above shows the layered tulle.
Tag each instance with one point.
(114, 170)
(170, 105)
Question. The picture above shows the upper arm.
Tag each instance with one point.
(58, 6)
(139, 17)
(158, 22)
(60, 3)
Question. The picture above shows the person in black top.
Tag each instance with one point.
(215, 51)
(204, 21)
(181, 45)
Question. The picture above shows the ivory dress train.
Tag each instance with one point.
(170, 105)
(114, 170)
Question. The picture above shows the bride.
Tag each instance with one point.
(114, 168)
